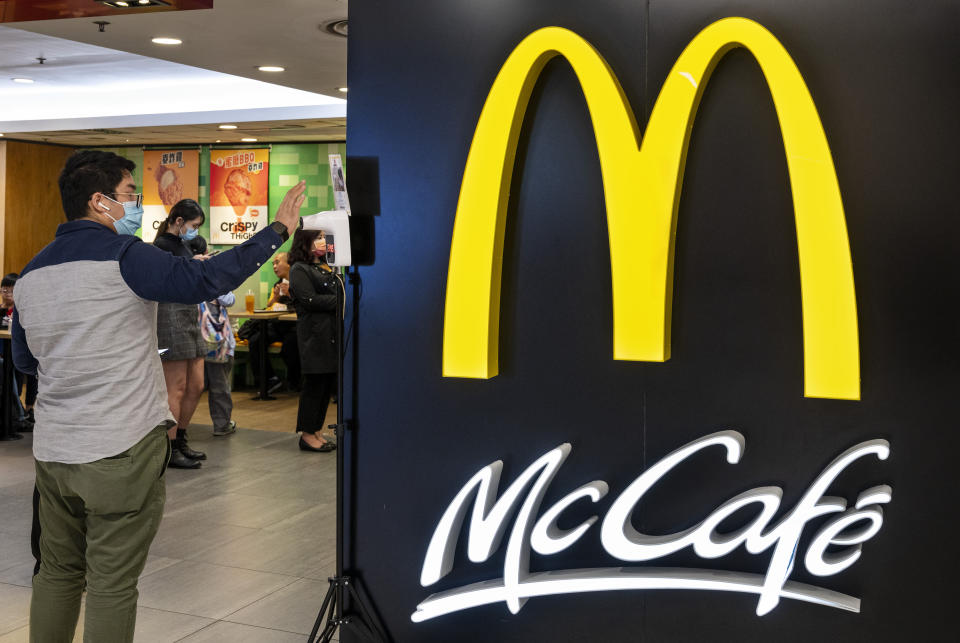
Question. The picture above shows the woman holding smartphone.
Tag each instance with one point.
(313, 287)
(178, 331)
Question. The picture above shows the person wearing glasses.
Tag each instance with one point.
(85, 322)
(179, 337)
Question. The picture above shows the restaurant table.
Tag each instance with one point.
(7, 431)
(261, 317)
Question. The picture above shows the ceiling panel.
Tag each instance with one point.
(310, 130)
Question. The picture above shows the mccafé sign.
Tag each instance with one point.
(531, 529)
(642, 183)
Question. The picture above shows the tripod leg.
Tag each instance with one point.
(332, 621)
(331, 594)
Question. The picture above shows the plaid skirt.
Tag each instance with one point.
(178, 329)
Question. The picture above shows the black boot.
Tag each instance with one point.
(185, 449)
(178, 460)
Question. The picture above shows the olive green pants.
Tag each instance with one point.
(97, 521)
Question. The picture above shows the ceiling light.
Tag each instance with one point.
(143, 2)
(121, 3)
(342, 89)
(228, 127)
(270, 68)
(336, 28)
(218, 140)
(248, 140)
(166, 41)
(25, 81)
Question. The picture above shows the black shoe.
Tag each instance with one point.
(274, 384)
(30, 417)
(323, 448)
(185, 448)
(180, 461)
(24, 426)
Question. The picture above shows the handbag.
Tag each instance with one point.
(216, 333)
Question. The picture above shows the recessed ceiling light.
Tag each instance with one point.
(166, 41)
(342, 89)
(25, 81)
(218, 140)
(270, 68)
(228, 127)
(248, 140)
(122, 3)
(143, 2)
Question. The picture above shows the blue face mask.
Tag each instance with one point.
(129, 223)
(189, 233)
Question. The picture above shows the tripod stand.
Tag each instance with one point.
(342, 584)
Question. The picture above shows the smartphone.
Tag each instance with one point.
(214, 252)
(331, 257)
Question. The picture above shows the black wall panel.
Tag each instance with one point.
(883, 76)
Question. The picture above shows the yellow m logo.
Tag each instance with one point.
(642, 190)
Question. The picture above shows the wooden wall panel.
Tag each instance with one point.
(31, 204)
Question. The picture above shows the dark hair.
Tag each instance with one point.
(9, 280)
(186, 209)
(301, 250)
(87, 172)
(197, 245)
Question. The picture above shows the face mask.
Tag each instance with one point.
(320, 254)
(130, 221)
(189, 233)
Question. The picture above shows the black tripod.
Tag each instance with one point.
(334, 607)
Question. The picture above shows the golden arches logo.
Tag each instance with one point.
(642, 183)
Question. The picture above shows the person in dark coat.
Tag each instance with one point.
(313, 287)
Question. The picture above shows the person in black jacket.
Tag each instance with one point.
(313, 286)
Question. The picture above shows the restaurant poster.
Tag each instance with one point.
(239, 187)
(340, 198)
(168, 177)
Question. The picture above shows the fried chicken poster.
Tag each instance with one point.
(168, 176)
(238, 194)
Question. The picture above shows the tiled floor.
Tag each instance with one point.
(243, 553)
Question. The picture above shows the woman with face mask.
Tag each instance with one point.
(178, 331)
(313, 287)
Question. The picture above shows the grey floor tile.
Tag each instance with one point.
(17, 484)
(318, 523)
(294, 607)
(243, 510)
(182, 535)
(158, 626)
(211, 591)
(237, 633)
(14, 607)
(306, 483)
(17, 512)
(15, 550)
(17, 636)
(276, 552)
(20, 574)
(156, 563)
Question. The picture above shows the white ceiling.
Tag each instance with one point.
(162, 87)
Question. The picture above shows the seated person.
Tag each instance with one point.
(284, 332)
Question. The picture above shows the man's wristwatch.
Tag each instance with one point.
(281, 229)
